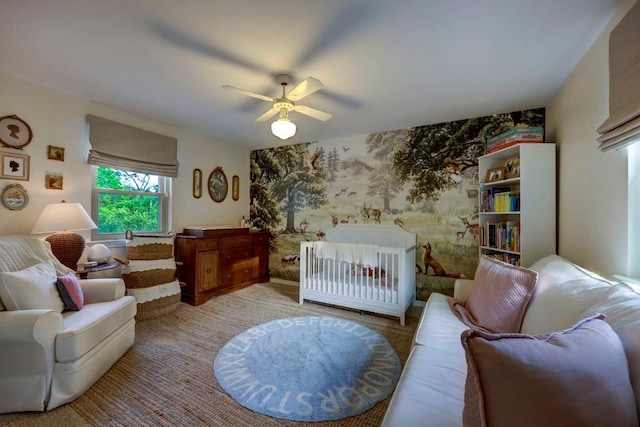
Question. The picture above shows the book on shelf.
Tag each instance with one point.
(503, 235)
(514, 132)
(512, 259)
(500, 199)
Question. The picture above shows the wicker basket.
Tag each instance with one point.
(157, 307)
(150, 251)
(148, 278)
(149, 247)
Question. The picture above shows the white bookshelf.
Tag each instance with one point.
(536, 216)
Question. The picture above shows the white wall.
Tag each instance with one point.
(592, 186)
(59, 119)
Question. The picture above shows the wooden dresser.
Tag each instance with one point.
(211, 261)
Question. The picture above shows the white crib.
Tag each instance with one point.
(386, 288)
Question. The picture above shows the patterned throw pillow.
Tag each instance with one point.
(576, 377)
(499, 296)
(70, 292)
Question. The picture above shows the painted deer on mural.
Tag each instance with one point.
(370, 214)
(474, 229)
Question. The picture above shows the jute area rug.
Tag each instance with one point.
(166, 379)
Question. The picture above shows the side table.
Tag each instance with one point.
(100, 267)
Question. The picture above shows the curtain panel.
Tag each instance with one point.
(118, 146)
(623, 125)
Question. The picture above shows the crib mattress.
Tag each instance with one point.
(375, 289)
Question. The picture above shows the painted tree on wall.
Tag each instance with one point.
(301, 181)
(382, 181)
(435, 156)
(263, 210)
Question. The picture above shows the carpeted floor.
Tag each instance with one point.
(166, 379)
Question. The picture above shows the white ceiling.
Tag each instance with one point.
(385, 64)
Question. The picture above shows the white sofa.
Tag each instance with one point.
(48, 358)
(431, 390)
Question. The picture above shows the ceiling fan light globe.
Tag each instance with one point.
(283, 128)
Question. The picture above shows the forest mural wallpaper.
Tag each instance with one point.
(424, 179)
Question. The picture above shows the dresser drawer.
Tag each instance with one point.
(239, 272)
(261, 239)
(205, 244)
(229, 256)
(232, 242)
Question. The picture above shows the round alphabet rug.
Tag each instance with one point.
(308, 368)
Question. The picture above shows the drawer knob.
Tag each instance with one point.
(228, 276)
(246, 271)
(208, 243)
(209, 270)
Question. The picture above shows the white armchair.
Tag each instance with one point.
(48, 358)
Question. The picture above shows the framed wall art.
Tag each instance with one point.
(55, 153)
(14, 132)
(14, 166)
(53, 182)
(235, 187)
(197, 183)
(218, 185)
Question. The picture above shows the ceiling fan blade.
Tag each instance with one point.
(246, 92)
(306, 88)
(266, 116)
(312, 112)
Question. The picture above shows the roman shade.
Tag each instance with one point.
(623, 125)
(120, 146)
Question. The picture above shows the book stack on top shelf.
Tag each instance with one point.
(515, 136)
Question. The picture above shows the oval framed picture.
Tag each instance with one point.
(218, 185)
(14, 132)
(14, 197)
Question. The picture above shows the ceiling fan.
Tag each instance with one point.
(284, 128)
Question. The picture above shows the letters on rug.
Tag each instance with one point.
(308, 368)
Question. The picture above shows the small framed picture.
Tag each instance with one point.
(55, 153)
(235, 187)
(197, 183)
(512, 167)
(53, 182)
(14, 166)
(495, 174)
(514, 172)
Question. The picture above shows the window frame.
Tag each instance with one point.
(164, 193)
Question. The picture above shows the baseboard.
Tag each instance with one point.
(285, 282)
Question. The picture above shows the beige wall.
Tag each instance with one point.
(59, 119)
(592, 186)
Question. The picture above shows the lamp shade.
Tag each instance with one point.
(63, 219)
(283, 128)
(63, 216)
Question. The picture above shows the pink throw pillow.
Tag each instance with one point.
(70, 292)
(499, 296)
(576, 377)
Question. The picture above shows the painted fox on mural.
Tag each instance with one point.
(437, 268)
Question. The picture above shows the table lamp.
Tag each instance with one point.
(63, 219)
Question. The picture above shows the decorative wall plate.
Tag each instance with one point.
(14, 132)
(218, 185)
(14, 197)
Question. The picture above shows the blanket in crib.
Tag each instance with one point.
(347, 252)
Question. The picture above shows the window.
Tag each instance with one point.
(125, 200)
